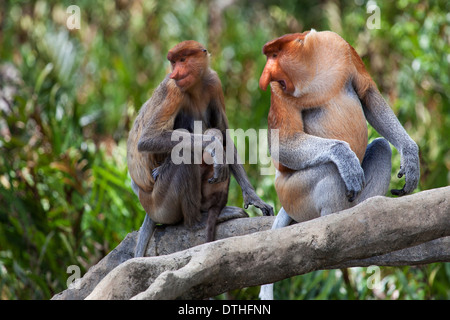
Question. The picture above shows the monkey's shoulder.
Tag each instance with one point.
(212, 84)
(160, 93)
(212, 78)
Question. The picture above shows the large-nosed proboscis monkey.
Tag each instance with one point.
(173, 192)
(321, 97)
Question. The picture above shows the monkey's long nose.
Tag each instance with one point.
(176, 75)
(265, 79)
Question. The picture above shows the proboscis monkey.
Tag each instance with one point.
(321, 97)
(169, 192)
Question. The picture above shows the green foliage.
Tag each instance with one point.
(64, 189)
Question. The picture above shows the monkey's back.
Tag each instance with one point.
(141, 164)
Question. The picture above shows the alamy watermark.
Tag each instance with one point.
(74, 281)
(374, 20)
(186, 152)
(74, 21)
(374, 280)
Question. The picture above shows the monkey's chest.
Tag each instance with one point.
(341, 122)
(194, 122)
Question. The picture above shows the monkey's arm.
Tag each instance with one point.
(169, 139)
(301, 151)
(154, 128)
(384, 121)
(220, 121)
(156, 122)
(298, 150)
(166, 140)
(249, 194)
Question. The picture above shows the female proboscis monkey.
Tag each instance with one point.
(321, 97)
(171, 192)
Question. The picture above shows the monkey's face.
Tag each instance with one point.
(273, 72)
(307, 63)
(288, 63)
(189, 60)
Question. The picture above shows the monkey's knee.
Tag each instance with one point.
(330, 194)
(379, 152)
(377, 169)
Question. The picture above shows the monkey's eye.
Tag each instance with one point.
(274, 55)
(183, 59)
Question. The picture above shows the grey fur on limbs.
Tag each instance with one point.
(377, 170)
(146, 230)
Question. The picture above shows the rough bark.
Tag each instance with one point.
(381, 231)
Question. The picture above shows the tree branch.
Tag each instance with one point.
(368, 234)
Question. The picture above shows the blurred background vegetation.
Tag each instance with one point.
(68, 99)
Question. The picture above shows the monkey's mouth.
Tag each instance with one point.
(182, 81)
(283, 84)
(181, 78)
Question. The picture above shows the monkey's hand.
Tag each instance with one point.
(410, 168)
(253, 199)
(349, 168)
(221, 173)
(221, 169)
(155, 173)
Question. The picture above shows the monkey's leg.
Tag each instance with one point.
(217, 215)
(145, 233)
(214, 200)
(146, 230)
(176, 195)
(377, 169)
(187, 187)
(213, 213)
(281, 220)
(377, 172)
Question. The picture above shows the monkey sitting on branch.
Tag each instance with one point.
(321, 97)
(187, 99)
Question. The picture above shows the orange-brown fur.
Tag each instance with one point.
(343, 119)
(171, 192)
(160, 112)
(310, 84)
(141, 164)
(321, 97)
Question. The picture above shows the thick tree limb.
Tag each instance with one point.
(354, 237)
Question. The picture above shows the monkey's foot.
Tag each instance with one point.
(229, 213)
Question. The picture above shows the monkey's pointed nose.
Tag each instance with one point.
(174, 75)
(264, 80)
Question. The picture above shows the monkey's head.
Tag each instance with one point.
(307, 62)
(189, 60)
